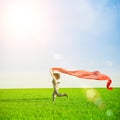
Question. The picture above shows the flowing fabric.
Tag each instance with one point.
(86, 75)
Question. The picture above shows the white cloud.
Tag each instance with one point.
(58, 56)
(108, 63)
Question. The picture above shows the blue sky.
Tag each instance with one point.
(37, 35)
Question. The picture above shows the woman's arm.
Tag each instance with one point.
(54, 79)
(52, 74)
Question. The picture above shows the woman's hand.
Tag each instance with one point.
(52, 74)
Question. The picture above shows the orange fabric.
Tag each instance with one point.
(86, 75)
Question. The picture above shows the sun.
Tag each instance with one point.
(19, 18)
(25, 21)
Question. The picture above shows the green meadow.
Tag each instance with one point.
(82, 104)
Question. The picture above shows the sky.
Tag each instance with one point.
(36, 35)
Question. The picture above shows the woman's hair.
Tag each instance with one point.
(57, 75)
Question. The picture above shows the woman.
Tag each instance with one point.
(56, 77)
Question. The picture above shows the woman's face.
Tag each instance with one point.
(57, 75)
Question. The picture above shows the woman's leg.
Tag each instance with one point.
(54, 96)
(61, 95)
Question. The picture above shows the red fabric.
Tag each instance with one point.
(86, 75)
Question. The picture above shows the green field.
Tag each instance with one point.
(82, 104)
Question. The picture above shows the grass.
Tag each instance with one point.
(82, 104)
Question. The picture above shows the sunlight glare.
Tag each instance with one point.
(24, 21)
(18, 19)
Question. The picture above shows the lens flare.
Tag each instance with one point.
(93, 96)
(109, 113)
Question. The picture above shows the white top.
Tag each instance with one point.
(55, 85)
